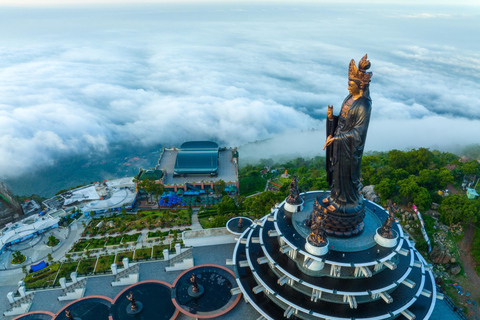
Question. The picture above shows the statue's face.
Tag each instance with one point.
(353, 88)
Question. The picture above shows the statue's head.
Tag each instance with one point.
(358, 78)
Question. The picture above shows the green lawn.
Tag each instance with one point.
(44, 277)
(104, 263)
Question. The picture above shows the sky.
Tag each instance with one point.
(77, 80)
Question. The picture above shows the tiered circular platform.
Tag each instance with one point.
(356, 279)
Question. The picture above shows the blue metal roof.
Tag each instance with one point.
(197, 157)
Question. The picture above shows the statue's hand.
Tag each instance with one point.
(328, 142)
(330, 112)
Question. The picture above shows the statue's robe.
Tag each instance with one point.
(344, 155)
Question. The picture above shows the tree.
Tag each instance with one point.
(386, 188)
(261, 204)
(444, 178)
(49, 257)
(422, 199)
(52, 241)
(226, 205)
(24, 270)
(219, 187)
(408, 187)
(158, 190)
(148, 186)
(456, 208)
(471, 167)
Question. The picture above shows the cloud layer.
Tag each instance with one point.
(73, 82)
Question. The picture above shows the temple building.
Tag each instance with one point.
(195, 166)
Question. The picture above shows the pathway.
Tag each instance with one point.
(473, 280)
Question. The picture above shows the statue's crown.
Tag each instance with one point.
(360, 73)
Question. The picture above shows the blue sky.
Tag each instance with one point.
(76, 80)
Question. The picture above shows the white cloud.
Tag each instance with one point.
(81, 81)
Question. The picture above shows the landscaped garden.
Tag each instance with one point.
(158, 251)
(123, 255)
(86, 266)
(52, 241)
(139, 221)
(18, 257)
(96, 244)
(42, 278)
(80, 245)
(143, 253)
(65, 270)
(99, 243)
(130, 237)
(158, 234)
(104, 263)
(113, 241)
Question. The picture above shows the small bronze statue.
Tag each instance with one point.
(69, 315)
(386, 229)
(193, 280)
(294, 196)
(318, 237)
(240, 224)
(131, 298)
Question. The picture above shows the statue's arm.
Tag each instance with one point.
(360, 125)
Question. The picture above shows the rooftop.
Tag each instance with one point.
(197, 157)
(227, 170)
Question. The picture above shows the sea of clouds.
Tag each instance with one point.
(75, 81)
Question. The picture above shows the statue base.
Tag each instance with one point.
(386, 242)
(197, 294)
(136, 311)
(293, 207)
(347, 223)
(315, 265)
